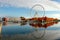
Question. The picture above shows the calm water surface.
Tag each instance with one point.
(17, 29)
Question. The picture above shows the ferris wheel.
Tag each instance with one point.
(36, 9)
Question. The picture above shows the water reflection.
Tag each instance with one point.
(42, 32)
(5, 23)
(45, 25)
(38, 32)
(36, 25)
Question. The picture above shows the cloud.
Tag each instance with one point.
(47, 4)
(54, 15)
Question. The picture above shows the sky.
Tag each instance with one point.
(18, 8)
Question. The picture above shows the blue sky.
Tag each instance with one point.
(13, 11)
(24, 10)
(56, 1)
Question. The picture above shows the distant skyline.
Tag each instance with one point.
(20, 8)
